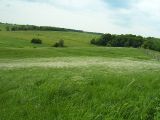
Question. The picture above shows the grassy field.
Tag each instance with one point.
(23, 39)
(78, 82)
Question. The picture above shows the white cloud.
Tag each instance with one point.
(141, 17)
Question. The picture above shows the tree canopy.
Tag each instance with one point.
(127, 40)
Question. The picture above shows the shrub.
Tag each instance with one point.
(56, 44)
(59, 44)
(147, 44)
(36, 41)
(152, 43)
(93, 41)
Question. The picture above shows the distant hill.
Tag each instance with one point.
(22, 38)
(17, 27)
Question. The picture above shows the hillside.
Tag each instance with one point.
(23, 38)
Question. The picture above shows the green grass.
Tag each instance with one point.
(78, 82)
(23, 39)
(72, 52)
(79, 93)
(126, 87)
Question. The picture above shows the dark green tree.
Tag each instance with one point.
(36, 41)
(60, 43)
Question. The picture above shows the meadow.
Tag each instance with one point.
(77, 82)
(22, 39)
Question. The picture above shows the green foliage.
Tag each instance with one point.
(147, 44)
(152, 43)
(119, 40)
(127, 41)
(93, 41)
(36, 41)
(39, 28)
(59, 44)
(56, 44)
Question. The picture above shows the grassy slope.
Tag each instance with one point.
(22, 39)
(126, 87)
(72, 52)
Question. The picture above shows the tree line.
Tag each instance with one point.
(37, 28)
(15, 27)
(127, 40)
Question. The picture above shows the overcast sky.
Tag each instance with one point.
(141, 17)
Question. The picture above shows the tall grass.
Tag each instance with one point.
(80, 93)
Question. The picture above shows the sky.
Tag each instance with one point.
(140, 17)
